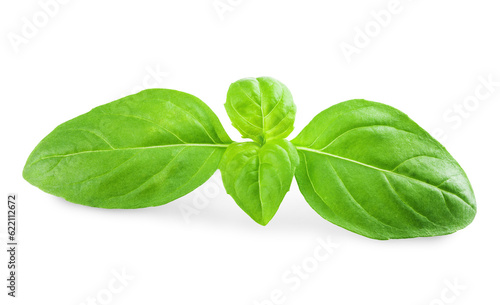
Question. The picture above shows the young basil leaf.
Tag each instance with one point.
(369, 168)
(261, 108)
(258, 177)
(142, 150)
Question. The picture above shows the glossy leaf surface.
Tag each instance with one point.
(261, 108)
(258, 177)
(143, 150)
(369, 168)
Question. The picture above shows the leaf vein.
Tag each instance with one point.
(146, 120)
(149, 179)
(130, 148)
(407, 204)
(357, 203)
(376, 168)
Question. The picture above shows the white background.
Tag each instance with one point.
(427, 60)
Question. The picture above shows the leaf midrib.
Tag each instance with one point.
(379, 169)
(131, 148)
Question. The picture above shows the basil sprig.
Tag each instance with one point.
(361, 165)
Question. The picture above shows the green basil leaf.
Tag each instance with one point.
(143, 150)
(369, 168)
(261, 108)
(258, 177)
